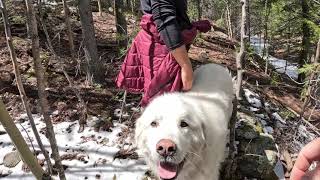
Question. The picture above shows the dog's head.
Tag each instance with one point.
(169, 135)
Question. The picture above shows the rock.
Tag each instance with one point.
(11, 159)
(279, 171)
(257, 166)
(258, 145)
(247, 127)
(256, 155)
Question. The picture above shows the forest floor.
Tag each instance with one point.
(105, 147)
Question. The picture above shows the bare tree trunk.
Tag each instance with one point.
(82, 104)
(69, 30)
(265, 42)
(121, 23)
(128, 5)
(304, 56)
(198, 2)
(288, 47)
(228, 14)
(100, 7)
(95, 71)
(312, 77)
(41, 87)
(248, 20)
(241, 54)
(22, 147)
(20, 85)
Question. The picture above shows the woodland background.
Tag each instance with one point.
(59, 60)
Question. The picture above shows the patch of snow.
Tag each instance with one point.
(56, 112)
(262, 116)
(276, 116)
(92, 121)
(253, 109)
(268, 130)
(252, 98)
(263, 122)
(281, 65)
(96, 152)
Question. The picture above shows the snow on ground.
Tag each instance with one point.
(253, 99)
(95, 152)
(282, 66)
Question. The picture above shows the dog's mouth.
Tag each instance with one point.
(169, 170)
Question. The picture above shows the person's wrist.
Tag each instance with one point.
(186, 64)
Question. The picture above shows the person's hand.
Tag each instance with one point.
(308, 154)
(187, 77)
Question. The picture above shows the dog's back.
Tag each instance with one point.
(212, 79)
(212, 95)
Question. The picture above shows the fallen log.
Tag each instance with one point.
(225, 42)
(290, 102)
(88, 96)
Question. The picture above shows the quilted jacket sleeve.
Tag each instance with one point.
(164, 14)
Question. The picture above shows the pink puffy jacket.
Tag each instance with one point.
(148, 67)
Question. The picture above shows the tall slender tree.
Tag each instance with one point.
(121, 23)
(42, 93)
(69, 30)
(313, 75)
(95, 71)
(304, 55)
(20, 85)
(100, 7)
(241, 54)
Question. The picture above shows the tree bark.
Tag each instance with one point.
(20, 85)
(100, 8)
(82, 104)
(228, 14)
(69, 30)
(265, 41)
(121, 23)
(311, 78)
(304, 55)
(41, 87)
(241, 54)
(248, 20)
(199, 9)
(22, 147)
(95, 71)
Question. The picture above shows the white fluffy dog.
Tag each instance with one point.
(183, 135)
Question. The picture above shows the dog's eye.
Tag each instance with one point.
(154, 124)
(183, 124)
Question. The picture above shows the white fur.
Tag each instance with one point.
(207, 109)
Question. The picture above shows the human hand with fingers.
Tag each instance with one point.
(309, 154)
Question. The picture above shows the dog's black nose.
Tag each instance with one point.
(166, 147)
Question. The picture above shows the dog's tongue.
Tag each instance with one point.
(167, 171)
